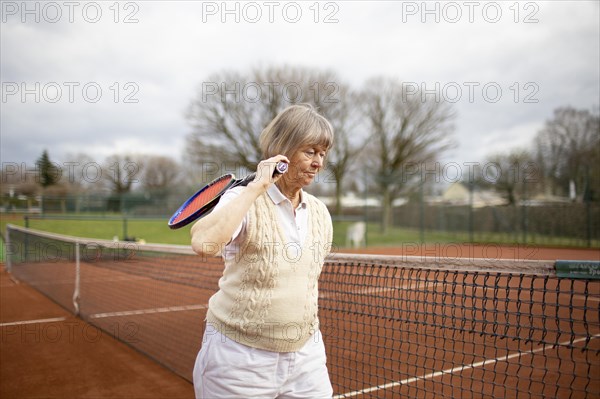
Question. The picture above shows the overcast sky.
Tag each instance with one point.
(102, 77)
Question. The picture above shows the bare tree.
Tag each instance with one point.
(160, 173)
(344, 115)
(568, 150)
(82, 173)
(514, 175)
(406, 130)
(121, 172)
(231, 109)
(225, 128)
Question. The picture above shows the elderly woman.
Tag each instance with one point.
(262, 336)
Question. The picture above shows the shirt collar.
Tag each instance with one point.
(277, 196)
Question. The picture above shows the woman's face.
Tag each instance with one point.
(305, 164)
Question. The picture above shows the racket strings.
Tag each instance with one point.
(206, 196)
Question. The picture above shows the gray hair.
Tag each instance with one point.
(295, 127)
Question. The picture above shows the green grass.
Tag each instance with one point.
(157, 231)
(396, 236)
(151, 230)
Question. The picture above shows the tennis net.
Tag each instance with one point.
(393, 327)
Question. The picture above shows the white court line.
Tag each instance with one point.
(458, 369)
(375, 290)
(19, 323)
(409, 286)
(149, 311)
(87, 280)
(589, 298)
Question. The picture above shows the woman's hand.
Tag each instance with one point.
(264, 172)
(211, 233)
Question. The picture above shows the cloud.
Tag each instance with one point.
(149, 70)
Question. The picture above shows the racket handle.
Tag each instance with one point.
(280, 168)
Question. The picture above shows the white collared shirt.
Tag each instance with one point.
(294, 225)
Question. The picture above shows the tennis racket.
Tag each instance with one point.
(203, 202)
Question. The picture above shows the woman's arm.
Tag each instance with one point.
(211, 233)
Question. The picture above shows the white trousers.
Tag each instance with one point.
(227, 369)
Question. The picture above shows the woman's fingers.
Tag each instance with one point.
(266, 168)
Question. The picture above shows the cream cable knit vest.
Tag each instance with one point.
(268, 295)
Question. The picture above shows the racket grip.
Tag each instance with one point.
(280, 168)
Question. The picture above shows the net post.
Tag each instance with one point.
(125, 232)
(8, 251)
(77, 280)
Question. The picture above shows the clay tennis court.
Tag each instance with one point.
(380, 328)
(57, 355)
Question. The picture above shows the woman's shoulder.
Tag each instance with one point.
(228, 196)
